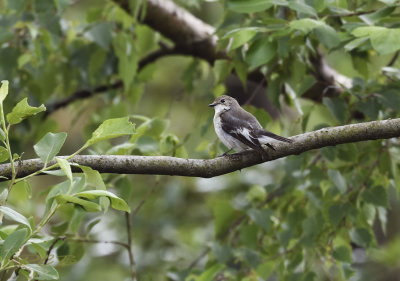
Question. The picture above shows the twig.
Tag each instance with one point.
(60, 238)
(393, 60)
(130, 250)
(253, 94)
(141, 203)
(85, 240)
(351, 14)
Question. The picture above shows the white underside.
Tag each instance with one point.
(229, 141)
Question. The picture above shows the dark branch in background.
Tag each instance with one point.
(79, 95)
(207, 168)
(193, 37)
(83, 94)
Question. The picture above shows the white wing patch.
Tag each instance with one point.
(244, 132)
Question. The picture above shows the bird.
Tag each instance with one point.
(238, 129)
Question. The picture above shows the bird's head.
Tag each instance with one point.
(224, 103)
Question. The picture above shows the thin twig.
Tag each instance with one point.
(141, 203)
(393, 60)
(253, 94)
(351, 14)
(85, 240)
(60, 238)
(130, 250)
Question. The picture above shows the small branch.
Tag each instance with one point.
(130, 250)
(79, 95)
(52, 247)
(84, 240)
(144, 199)
(351, 14)
(393, 60)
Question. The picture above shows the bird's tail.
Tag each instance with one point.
(273, 136)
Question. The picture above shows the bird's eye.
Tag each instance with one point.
(222, 100)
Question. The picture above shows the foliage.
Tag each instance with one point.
(303, 218)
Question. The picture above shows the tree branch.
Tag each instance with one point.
(194, 37)
(207, 168)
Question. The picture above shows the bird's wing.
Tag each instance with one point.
(240, 130)
(261, 133)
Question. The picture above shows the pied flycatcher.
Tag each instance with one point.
(238, 129)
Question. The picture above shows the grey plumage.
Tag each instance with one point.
(239, 129)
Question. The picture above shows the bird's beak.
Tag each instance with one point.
(213, 104)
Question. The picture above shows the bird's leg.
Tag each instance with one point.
(225, 153)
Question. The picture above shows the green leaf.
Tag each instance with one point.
(241, 36)
(248, 235)
(210, 273)
(305, 25)
(355, 43)
(222, 68)
(70, 253)
(387, 41)
(248, 6)
(339, 181)
(156, 127)
(87, 205)
(361, 236)
(256, 194)
(125, 49)
(261, 217)
(93, 178)
(3, 90)
(265, 269)
(111, 128)
(65, 166)
(338, 107)
(384, 40)
(390, 99)
(12, 244)
(100, 34)
(3, 154)
(223, 253)
(15, 216)
(224, 214)
(23, 110)
(260, 52)
(342, 253)
(49, 146)
(327, 35)
(42, 272)
(378, 15)
(337, 212)
(302, 8)
(116, 202)
(376, 195)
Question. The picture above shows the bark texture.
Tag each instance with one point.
(207, 168)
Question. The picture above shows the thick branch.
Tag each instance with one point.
(207, 168)
(196, 38)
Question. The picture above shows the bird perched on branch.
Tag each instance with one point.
(238, 129)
